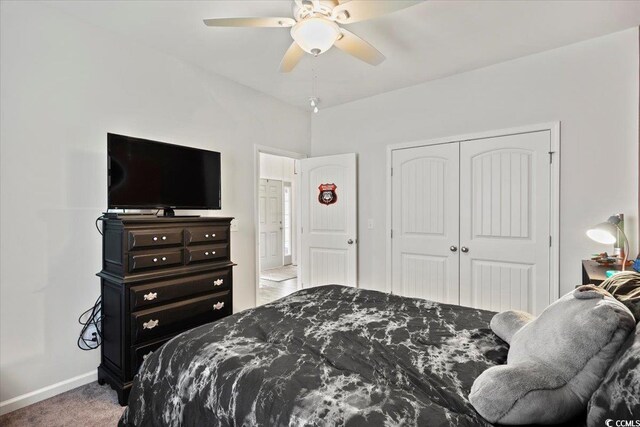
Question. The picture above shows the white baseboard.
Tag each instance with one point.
(47, 392)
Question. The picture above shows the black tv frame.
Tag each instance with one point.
(168, 211)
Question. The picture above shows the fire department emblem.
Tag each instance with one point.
(327, 194)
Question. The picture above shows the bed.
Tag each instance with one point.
(330, 355)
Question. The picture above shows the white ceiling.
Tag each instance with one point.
(424, 42)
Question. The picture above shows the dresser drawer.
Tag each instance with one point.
(145, 261)
(140, 353)
(144, 239)
(207, 253)
(145, 296)
(214, 233)
(180, 316)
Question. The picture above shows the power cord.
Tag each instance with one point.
(94, 319)
(97, 227)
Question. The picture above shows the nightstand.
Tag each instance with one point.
(594, 273)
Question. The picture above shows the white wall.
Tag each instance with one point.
(591, 87)
(64, 85)
(277, 167)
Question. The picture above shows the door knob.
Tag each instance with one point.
(350, 241)
(464, 249)
(453, 248)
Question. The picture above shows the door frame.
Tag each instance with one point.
(257, 149)
(554, 214)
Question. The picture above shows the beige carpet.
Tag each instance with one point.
(90, 405)
(280, 274)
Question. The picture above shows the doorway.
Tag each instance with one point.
(277, 214)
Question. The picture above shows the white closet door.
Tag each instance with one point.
(425, 222)
(328, 237)
(270, 210)
(504, 222)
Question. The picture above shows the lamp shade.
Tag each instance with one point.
(315, 35)
(605, 232)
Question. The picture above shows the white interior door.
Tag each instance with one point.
(504, 222)
(287, 222)
(270, 211)
(425, 222)
(328, 221)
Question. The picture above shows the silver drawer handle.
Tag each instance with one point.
(151, 296)
(155, 238)
(164, 237)
(218, 305)
(207, 236)
(155, 260)
(218, 282)
(150, 324)
(164, 258)
(206, 253)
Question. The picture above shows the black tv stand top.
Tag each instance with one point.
(142, 218)
(170, 213)
(117, 215)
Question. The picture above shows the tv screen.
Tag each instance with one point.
(148, 174)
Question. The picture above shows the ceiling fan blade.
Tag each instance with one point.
(359, 48)
(361, 10)
(292, 56)
(250, 22)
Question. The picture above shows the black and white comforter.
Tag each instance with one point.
(331, 355)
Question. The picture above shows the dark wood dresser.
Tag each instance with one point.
(160, 277)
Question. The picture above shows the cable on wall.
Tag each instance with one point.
(98, 227)
(93, 318)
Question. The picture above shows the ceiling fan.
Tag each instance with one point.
(315, 27)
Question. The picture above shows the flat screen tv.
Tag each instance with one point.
(147, 174)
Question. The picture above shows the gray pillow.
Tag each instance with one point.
(556, 361)
(618, 397)
(507, 323)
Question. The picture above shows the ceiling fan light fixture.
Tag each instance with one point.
(315, 35)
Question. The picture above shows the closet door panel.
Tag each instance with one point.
(504, 222)
(425, 222)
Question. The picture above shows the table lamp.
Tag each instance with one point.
(610, 232)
